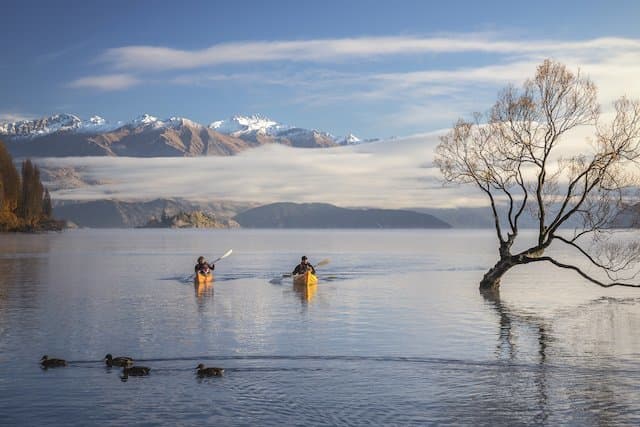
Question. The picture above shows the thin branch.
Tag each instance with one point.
(582, 273)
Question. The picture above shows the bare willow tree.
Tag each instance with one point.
(511, 155)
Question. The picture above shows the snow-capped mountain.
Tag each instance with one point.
(56, 124)
(257, 126)
(350, 139)
(243, 125)
(144, 119)
(147, 120)
(149, 136)
(97, 124)
(43, 126)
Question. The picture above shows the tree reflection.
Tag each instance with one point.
(590, 378)
(509, 320)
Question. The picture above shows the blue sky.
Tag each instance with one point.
(376, 69)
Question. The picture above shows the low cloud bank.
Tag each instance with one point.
(396, 173)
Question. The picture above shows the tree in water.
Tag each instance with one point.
(511, 155)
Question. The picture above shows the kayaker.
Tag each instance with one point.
(304, 266)
(203, 266)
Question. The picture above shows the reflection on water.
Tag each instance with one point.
(305, 292)
(203, 290)
(506, 348)
(395, 333)
(204, 294)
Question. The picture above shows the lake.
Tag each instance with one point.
(396, 332)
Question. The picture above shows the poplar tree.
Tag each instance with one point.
(10, 180)
(47, 209)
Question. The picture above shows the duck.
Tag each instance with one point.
(52, 363)
(118, 361)
(135, 371)
(209, 372)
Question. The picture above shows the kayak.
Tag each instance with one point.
(307, 278)
(202, 277)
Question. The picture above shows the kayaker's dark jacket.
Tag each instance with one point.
(302, 268)
(204, 267)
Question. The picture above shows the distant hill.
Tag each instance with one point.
(629, 217)
(483, 217)
(126, 214)
(323, 215)
(195, 219)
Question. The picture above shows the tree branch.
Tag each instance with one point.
(582, 273)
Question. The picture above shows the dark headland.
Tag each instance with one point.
(323, 215)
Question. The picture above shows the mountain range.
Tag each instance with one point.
(63, 135)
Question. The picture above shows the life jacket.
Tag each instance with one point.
(203, 268)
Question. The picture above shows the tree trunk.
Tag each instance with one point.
(491, 279)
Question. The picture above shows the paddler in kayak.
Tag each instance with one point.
(303, 267)
(203, 266)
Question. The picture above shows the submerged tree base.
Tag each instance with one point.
(491, 279)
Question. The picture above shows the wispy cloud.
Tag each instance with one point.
(106, 82)
(141, 57)
(64, 51)
(9, 116)
(434, 94)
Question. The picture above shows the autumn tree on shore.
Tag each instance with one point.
(24, 203)
(511, 155)
(32, 193)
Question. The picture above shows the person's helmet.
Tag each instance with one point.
(200, 260)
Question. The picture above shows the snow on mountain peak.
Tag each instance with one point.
(180, 121)
(97, 120)
(41, 126)
(242, 125)
(145, 119)
(97, 124)
(350, 139)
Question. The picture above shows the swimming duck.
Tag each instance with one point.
(52, 363)
(136, 371)
(118, 361)
(209, 372)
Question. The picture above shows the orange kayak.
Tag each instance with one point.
(307, 278)
(203, 277)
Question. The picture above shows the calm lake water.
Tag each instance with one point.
(396, 332)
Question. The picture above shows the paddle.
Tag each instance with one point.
(226, 254)
(320, 264)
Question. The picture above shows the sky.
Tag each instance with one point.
(376, 69)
